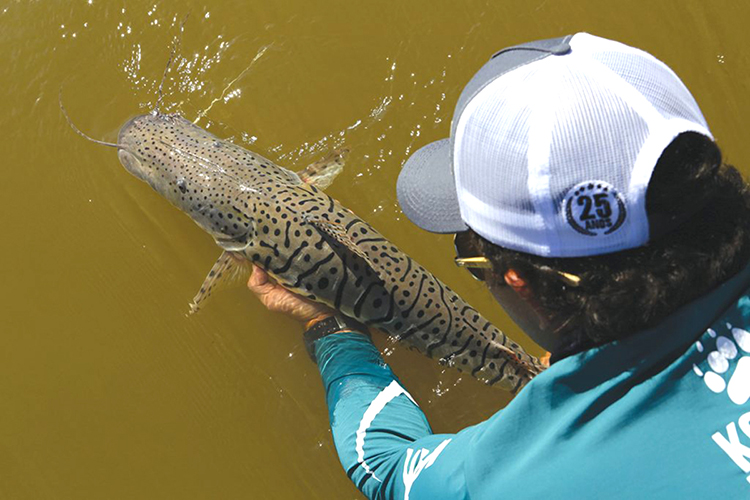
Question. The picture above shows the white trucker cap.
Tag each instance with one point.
(552, 147)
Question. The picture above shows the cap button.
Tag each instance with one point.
(560, 49)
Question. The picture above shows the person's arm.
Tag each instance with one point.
(382, 437)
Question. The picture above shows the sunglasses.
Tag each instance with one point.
(477, 265)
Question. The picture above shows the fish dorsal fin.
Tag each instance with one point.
(229, 270)
(339, 234)
(322, 173)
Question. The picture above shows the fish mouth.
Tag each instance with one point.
(132, 164)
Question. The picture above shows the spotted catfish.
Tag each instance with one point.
(261, 213)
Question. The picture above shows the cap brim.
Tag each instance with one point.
(426, 189)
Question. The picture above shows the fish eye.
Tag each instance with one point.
(182, 185)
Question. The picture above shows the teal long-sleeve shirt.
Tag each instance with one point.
(662, 414)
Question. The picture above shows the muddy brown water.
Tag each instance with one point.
(108, 389)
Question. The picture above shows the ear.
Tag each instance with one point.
(514, 280)
(519, 285)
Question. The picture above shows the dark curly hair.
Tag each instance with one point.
(699, 218)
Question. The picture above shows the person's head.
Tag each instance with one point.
(584, 172)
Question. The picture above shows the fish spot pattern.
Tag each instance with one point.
(315, 246)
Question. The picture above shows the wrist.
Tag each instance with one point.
(330, 325)
(317, 319)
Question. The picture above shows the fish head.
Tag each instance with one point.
(195, 171)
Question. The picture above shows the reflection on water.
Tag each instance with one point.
(109, 389)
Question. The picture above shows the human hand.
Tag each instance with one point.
(278, 299)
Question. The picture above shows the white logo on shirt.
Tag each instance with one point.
(738, 452)
(719, 361)
(737, 388)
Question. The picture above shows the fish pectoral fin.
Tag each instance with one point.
(338, 233)
(230, 245)
(322, 173)
(230, 269)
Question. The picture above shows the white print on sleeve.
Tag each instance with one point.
(392, 391)
(418, 461)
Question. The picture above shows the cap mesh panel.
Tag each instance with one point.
(605, 101)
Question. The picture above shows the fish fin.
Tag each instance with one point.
(339, 234)
(322, 173)
(229, 245)
(230, 269)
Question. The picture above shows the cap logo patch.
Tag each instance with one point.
(594, 208)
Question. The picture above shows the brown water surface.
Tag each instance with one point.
(108, 389)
